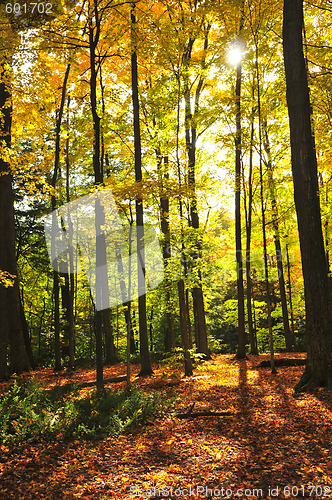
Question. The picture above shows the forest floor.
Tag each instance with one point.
(273, 445)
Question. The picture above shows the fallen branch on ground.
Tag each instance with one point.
(206, 413)
(112, 380)
(284, 362)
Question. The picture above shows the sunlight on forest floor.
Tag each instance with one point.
(271, 439)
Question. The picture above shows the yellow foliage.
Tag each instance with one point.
(7, 279)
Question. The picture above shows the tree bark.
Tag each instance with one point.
(11, 329)
(146, 368)
(191, 140)
(241, 350)
(56, 288)
(94, 34)
(110, 351)
(276, 235)
(70, 279)
(27, 340)
(266, 269)
(318, 370)
(290, 298)
(183, 258)
(188, 369)
(163, 175)
(252, 338)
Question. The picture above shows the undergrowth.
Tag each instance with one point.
(29, 413)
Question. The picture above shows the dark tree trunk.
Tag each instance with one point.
(326, 227)
(266, 269)
(276, 235)
(57, 343)
(151, 330)
(318, 370)
(101, 260)
(56, 288)
(191, 140)
(70, 278)
(241, 350)
(110, 351)
(94, 34)
(252, 339)
(290, 298)
(163, 176)
(146, 368)
(4, 325)
(131, 348)
(129, 327)
(189, 320)
(26, 335)
(183, 259)
(188, 369)
(11, 329)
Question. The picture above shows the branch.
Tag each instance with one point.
(206, 413)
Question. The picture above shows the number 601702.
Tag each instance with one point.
(29, 8)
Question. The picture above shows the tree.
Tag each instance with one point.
(56, 288)
(11, 329)
(188, 368)
(318, 371)
(146, 368)
(241, 350)
(191, 120)
(276, 234)
(248, 215)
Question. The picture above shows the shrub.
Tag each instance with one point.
(29, 413)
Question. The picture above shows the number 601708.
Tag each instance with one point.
(308, 491)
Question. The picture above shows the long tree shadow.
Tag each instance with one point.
(290, 440)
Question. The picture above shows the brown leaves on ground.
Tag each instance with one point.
(273, 439)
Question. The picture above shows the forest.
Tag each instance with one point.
(165, 221)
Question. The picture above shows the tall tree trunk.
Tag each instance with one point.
(151, 330)
(56, 287)
(183, 259)
(290, 298)
(125, 296)
(94, 33)
(110, 351)
(326, 222)
(163, 176)
(188, 369)
(146, 368)
(56, 312)
(27, 340)
(241, 349)
(70, 281)
(318, 371)
(326, 227)
(276, 235)
(11, 329)
(266, 269)
(252, 339)
(191, 140)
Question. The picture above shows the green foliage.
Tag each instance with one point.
(175, 358)
(114, 411)
(29, 413)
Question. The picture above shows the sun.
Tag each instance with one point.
(235, 56)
